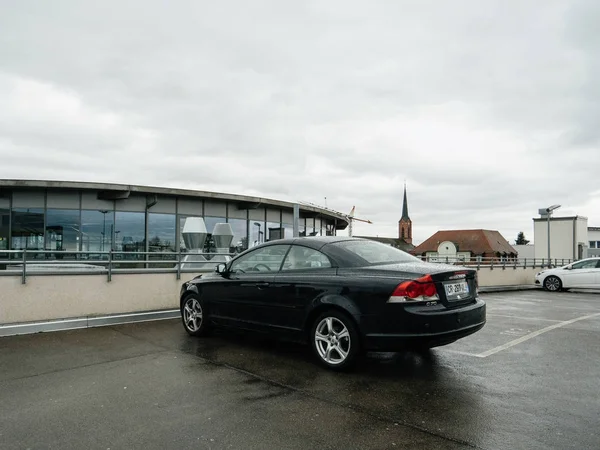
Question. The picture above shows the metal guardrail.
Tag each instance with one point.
(32, 262)
(503, 263)
(111, 262)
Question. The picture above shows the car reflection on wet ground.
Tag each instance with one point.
(528, 380)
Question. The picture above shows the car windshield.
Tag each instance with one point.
(376, 253)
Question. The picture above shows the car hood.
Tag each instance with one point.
(555, 271)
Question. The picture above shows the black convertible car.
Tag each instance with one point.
(343, 295)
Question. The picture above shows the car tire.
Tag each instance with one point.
(194, 316)
(335, 340)
(552, 283)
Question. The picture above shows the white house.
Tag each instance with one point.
(594, 241)
(568, 237)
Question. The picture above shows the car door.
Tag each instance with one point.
(582, 274)
(306, 273)
(597, 277)
(246, 288)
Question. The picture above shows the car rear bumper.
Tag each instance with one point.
(430, 329)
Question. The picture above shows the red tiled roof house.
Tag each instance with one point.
(465, 245)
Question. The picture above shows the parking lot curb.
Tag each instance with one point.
(528, 287)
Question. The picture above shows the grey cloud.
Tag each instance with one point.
(487, 109)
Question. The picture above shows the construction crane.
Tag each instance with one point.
(351, 219)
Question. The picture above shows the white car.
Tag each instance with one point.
(583, 274)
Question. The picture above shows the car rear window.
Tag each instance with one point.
(376, 253)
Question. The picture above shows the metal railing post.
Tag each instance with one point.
(110, 265)
(179, 264)
(24, 274)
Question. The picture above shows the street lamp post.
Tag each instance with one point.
(258, 225)
(548, 212)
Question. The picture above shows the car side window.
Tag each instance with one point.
(585, 265)
(266, 259)
(302, 258)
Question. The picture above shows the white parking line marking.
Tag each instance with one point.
(523, 317)
(534, 334)
(458, 352)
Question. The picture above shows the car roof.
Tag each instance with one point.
(315, 242)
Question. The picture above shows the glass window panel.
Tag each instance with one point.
(28, 230)
(585, 265)
(210, 246)
(330, 229)
(318, 231)
(274, 231)
(255, 261)
(62, 232)
(257, 232)
(240, 238)
(300, 258)
(302, 226)
(4, 200)
(161, 232)
(4, 223)
(310, 226)
(129, 231)
(592, 244)
(288, 231)
(97, 229)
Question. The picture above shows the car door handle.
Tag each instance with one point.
(262, 285)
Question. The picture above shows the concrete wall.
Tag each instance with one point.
(67, 296)
(526, 251)
(565, 235)
(507, 277)
(56, 297)
(581, 241)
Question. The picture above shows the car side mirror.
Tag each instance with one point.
(221, 268)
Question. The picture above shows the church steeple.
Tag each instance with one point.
(405, 206)
(405, 224)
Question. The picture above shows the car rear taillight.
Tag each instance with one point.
(421, 289)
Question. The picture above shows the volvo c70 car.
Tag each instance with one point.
(584, 274)
(342, 295)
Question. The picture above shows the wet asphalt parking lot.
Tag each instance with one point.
(528, 380)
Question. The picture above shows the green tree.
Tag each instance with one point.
(521, 239)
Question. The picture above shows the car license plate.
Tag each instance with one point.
(456, 290)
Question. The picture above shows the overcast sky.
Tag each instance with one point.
(488, 109)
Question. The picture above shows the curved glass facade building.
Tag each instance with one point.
(61, 217)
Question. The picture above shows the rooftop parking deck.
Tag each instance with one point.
(528, 380)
